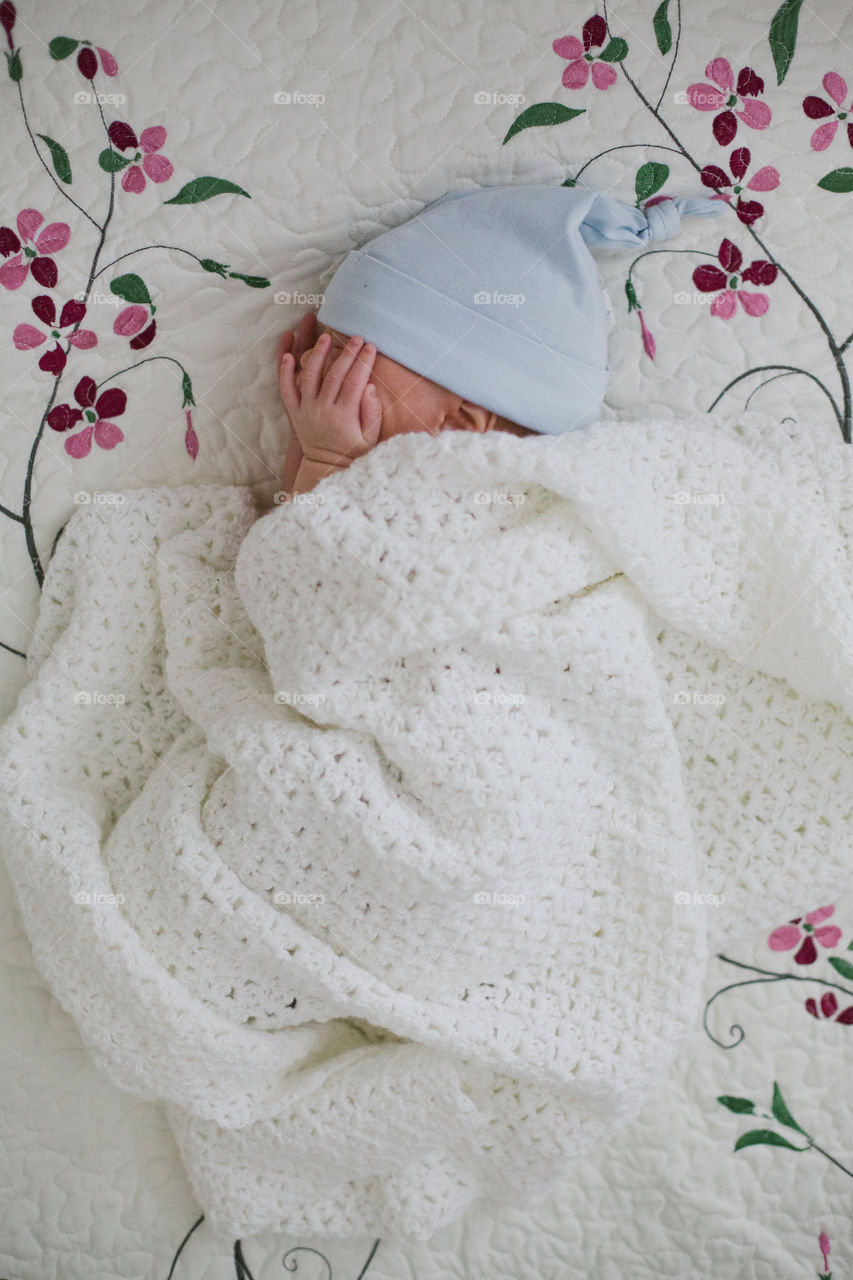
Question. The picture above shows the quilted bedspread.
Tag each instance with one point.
(178, 183)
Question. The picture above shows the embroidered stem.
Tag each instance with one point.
(790, 369)
(833, 345)
(147, 360)
(17, 652)
(181, 1246)
(772, 976)
(674, 57)
(28, 482)
(176, 247)
(45, 165)
(627, 146)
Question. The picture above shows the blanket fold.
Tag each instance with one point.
(382, 836)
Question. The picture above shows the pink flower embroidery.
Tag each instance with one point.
(129, 322)
(788, 935)
(155, 166)
(30, 255)
(576, 74)
(829, 1009)
(816, 108)
(648, 341)
(707, 97)
(27, 336)
(709, 279)
(766, 179)
(190, 437)
(109, 404)
(823, 1241)
(87, 63)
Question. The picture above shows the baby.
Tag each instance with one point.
(343, 397)
(493, 293)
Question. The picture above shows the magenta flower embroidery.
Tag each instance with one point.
(816, 108)
(766, 179)
(789, 935)
(155, 166)
(31, 254)
(87, 62)
(709, 279)
(190, 437)
(27, 336)
(726, 97)
(829, 1009)
(109, 404)
(8, 14)
(580, 60)
(130, 321)
(823, 1241)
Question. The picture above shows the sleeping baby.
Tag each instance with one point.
(483, 312)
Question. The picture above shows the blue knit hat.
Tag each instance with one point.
(493, 294)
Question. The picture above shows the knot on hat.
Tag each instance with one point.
(664, 219)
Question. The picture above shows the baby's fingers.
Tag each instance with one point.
(370, 415)
(290, 392)
(357, 377)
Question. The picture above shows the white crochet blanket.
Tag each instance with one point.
(377, 836)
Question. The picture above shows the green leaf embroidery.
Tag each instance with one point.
(663, 31)
(844, 967)
(219, 268)
(570, 182)
(783, 36)
(132, 288)
(541, 113)
(650, 178)
(837, 180)
(61, 163)
(111, 162)
(13, 62)
(766, 1137)
(740, 1105)
(782, 1113)
(254, 282)
(615, 51)
(187, 389)
(204, 188)
(61, 47)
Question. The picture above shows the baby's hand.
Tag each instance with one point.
(336, 418)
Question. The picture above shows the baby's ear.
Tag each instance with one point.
(469, 417)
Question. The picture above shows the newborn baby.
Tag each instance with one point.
(343, 397)
(491, 291)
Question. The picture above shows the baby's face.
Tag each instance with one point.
(411, 402)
